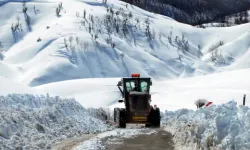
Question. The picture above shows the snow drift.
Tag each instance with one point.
(37, 122)
(223, 126)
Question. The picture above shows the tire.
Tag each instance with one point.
(122, 118)
(115, 114)
(155, 118)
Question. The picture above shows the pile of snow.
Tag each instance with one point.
(37, 122)
(223, 126)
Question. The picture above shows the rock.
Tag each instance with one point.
(4, 132)
(19, 148)
(40, 128)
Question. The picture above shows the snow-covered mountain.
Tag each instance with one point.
(46, 44)
(113, 40)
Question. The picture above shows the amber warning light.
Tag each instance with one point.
(135, 75)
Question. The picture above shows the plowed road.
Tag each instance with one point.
(150, 139)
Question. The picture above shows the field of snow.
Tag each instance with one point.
(7, 86)
(108, 41)
(168, 95)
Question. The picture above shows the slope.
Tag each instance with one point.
(108, 40)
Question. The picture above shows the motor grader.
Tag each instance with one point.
(136, 98)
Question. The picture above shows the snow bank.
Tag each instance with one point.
(223, 126)
(37, 122)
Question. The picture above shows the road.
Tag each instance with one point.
(160, 140)
(69, 144)
(146, 139)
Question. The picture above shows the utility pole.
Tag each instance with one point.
(244, 99)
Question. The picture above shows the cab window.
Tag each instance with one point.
(144, 86)
(130, 85)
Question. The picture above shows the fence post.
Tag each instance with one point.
(244, 99)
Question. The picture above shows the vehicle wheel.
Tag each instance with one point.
(155, 117)
(115, 114)
(122, 118)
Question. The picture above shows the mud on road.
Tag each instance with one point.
(159, 140)
(69, 144)
(122, 139)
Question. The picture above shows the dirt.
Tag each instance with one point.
(71, 143)
(160, 140)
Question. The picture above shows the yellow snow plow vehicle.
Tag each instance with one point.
(136, 97)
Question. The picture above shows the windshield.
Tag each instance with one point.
(133, 86)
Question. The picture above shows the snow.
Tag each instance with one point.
(8, 86)
(38, 122)
(223, 126)
(89, 71)
(49, 61)
(168, 95)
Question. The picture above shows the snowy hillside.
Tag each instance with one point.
(110, 40)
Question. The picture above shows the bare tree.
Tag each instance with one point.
(77, 40)
(108, 40)
(130, 15)
(96, 37)
(147, 22)
(24, 8)
(1, 51)
(89, 28)
(137, 23)
(65, 44)
(105, 1)
(170, 39)
(59, 9)
(113, 44)
(199, 51)
(231, 58)
(35, 11)
(214, 50)
(70, 40)
(85, 45)
(77, 14)
(84, 14)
